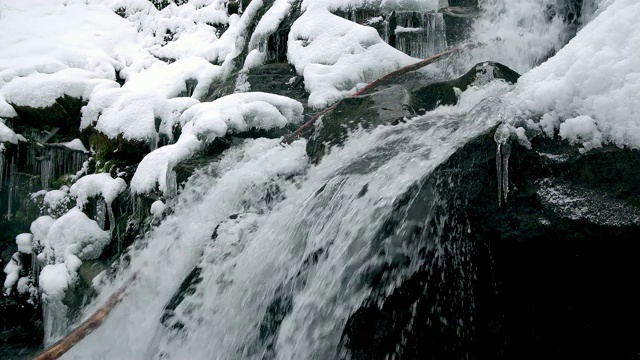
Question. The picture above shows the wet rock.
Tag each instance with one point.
(395, 101)
(430, 96)
(280, 79)
(527, 279)
(382, 107)
(62, 117)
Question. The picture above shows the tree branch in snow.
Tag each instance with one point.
(392, 75)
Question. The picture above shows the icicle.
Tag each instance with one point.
(499, 172)
(54, 316)
(11, 190)
(35, 268)
(172, 185)
(418, 34)
(112, 225)
(101, 213)
(1, 166)
(46, 168)
(506, 151)
(503, 151)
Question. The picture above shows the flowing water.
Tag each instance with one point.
(284, 252)
(307, 238)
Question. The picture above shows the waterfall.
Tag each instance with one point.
(54, 314)
(264, 233)
(418, 34)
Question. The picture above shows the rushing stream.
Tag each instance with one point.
(285, 252)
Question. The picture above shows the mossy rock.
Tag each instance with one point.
(118, 152)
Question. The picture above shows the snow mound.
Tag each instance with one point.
(97, 184)
(54, 198)
(24, 242)
(335, 55)
(157, 165)
(157, 208)
(206, 121)
(241, 112)
(75, 144)
(55, 279)
(6, 134)
(149, 95)
(42, 90)
(384, 5)
(12, 269)
(589, 90)
(40, 229)
(63, 48)
(74, 234)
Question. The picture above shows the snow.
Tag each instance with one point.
(97, 184)
(24, 284)
(24, 243)
(384, 5)
(58, 50)
(269, 22)
(132, 110)
(336, 55)
(55, 198)
(589, 89)
(6, 134)
(157, 208)
(75, 144)
(76, 235)
(41, 90)
(12, 269)
(155, 166)
(241, 112)
(40, 228)
(206, 121)
(54, 280)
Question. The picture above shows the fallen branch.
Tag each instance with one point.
(56, 350)
(392, 75)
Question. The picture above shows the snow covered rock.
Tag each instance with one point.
(97, 184)
(74, 235)
(202, 123)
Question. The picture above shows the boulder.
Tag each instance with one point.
(545, 275)
(397, 100)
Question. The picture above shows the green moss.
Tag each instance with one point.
(62, 180)
(113, 153)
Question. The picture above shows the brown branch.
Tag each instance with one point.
(56, 350)
(392, 75)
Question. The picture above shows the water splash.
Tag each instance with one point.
(305, 247)
(418, 34)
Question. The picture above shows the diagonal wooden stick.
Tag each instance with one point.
(394, 74)
(86, 327)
